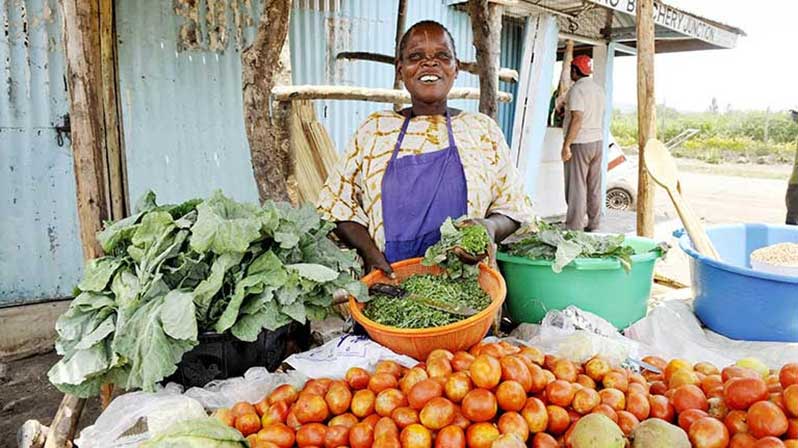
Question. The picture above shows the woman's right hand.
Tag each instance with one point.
(377, 261)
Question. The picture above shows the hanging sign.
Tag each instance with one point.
(682, 22)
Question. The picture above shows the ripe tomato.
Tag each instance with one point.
(388, 400)
(638, 405)
(404, 416)
(560, 393)
(510, 395)
(312, 434)
(790, 397)
(788, 375)
(278, 434)
(543, 440)
(737, 422)
(559, 420)
(481, 435)
(709, 432)
(486, 372)
(361, 435)
(742, 440)
(613, 398)
(514, 423)
(740, 392)
(769, 442)
(479, 405)
(423, 392)
(357, 378)
(766, 419)
(688, 417)
(416, 436)
(661, 408)
(689, 397)
(585, 400)
(514, 369)
(627, 422)
(450, 437)
(437, 413)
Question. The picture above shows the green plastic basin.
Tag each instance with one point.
(598, 285)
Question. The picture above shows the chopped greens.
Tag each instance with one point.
(472, 239)
(564, 246)
(174, 271)
(406, 313)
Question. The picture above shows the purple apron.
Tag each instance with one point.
(418, 194)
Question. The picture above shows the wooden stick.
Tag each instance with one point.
(115, 160)
(505, 74)
(486, 25)
(401, 18)
(309, 92)
(646, 113)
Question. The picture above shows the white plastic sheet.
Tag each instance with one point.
(334, 358)
(578, 335)
(673, 331)
(134, 417)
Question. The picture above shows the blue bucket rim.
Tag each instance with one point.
(589, 264)
(687, 246)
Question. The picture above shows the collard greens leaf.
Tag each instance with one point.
(208, 288)
(177, 315)
(314, 272)
(98, 273)
(145, 343)
(224, 225)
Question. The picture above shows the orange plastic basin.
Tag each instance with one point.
(419, 342)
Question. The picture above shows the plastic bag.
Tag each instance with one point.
(673, 331)
(129, 415)
(252, 387)
(578, 335)
(135, 417)
(334, 358)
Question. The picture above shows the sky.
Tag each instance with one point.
(761, 72)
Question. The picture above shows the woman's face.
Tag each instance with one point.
(427, 65)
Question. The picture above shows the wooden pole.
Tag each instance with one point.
(115, 159)
(266, 127)
(401, 18)
(84, 77)
(505, 74)
(374, 95)
(486, 24)
(646, 114)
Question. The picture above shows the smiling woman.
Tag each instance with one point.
(404, 173)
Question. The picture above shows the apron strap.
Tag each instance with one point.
(406, 124)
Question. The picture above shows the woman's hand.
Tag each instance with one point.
(489, 227)
(377, 260)
(356, 236)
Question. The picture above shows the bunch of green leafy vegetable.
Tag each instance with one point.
(471, 239)
(198, 433)
(407, 313)
(564, 246)
(173, 271)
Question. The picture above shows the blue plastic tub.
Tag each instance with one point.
(734, 300)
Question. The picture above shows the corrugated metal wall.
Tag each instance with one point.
(180, 90)
(512, 52)
(369, 25)
(40, 252)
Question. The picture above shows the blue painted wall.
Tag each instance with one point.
(40, 252)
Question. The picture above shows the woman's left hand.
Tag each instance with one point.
(467, 258)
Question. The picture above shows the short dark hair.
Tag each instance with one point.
(406, 36)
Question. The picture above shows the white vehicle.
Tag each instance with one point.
(621, 179)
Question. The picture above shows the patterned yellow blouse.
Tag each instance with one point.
(353, 190)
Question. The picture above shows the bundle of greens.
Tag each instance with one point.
(471, 239)
(407, 313)
(198, 433)
(174, 271)
(564, 246)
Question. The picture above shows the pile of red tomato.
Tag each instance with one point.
(499, 395)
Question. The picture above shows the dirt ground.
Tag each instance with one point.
(25, 393)
(718, 193)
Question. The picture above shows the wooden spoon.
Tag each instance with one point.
(662, 168)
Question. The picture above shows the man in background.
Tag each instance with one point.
(583, 148)
(792, 188)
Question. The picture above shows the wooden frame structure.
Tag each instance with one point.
(98, 147)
